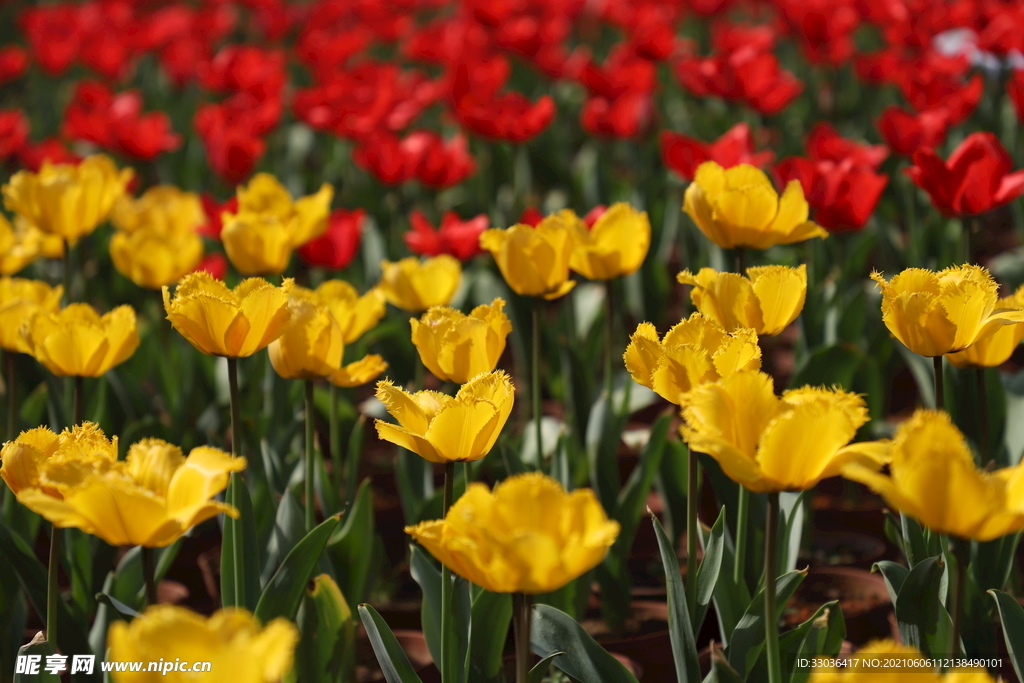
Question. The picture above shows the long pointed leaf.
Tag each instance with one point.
(709, 570)
(923, 621)
(393, 661)
(684, 647)
(748, 639)
(1011, 615)
(555, 631)
(239, 556)
(284, 590)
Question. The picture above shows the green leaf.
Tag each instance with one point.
(792, 527)
(671, 485)
(429, 578)
(915, 544)
(820, 635)
(491, 615)
(284, 591)
(38, 647)
(894, 575)
(555, 631)
(415, 484)
(71, 636)
(721, 670)
(747, 639)
(730, 599)
(121, 609)
(239, 555)
(289, 528)
(352, 457)
(604, 430)
(684, 647)
(348, 548)
(540, 669)
(393, 661)
(326, 648)
(709, 570)
(922, 618)
(828, 366)
(1011, 615)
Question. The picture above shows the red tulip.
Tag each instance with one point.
(457, 237)
(825, 28)
(214, 215)
(843, 194)
(531, 216)
(54, 34)
(621, 117)
(591, 217)
(503, 116)
(929, 91)
(215, 264)
(13, 132)
(32, 156)
(905, 132)
(259, 72)
(746, 75)
(825, 144)
(439, 163)
(684, 154)
(336, 248)
(13, 63)
(728, 37)
(1015, 89)
(232, 150)
(976, 178)
(117, 123)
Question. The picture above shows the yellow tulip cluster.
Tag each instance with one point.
(151, 498)
(156, 242)
(260, 236)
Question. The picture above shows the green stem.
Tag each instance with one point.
(310, 459)
(79, 396)
(691, 530)
(771, 619)
(12, 406)
(940, 394)
(986, 455)
(742, 524)
(521, 614)
(236, 450)
(67, 273)
(447, 649)
(609, 326)
(535, 379)
(52, 589)
(961, 551)
(149, 575)
(337, 460)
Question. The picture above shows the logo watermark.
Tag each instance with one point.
(86, 664)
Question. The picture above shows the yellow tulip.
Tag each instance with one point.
(164, 209)
(767, 443)
(151, 498)
(65, 199)
(739, 207)
(895, 653)
(938, 313)
(78, 341)
(457, 347)
(527, 536)
(232, 640)
(22, 244)
(615, 246)
(933, 478)
(442, 429)
(19, 299)
(414, 285)
(535, 261)
(260, 236)
(154, 259)
(995, 349)
(23, 460)
(311, 345)
(358, 372)
(355, 314)
(224, 322)
(695, 351)
(767, 301)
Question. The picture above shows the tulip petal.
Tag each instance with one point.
(780, 293)
(266, 314)
(416, 443)
(359, 372)
(643, 353)
(456, 428)
(203, 475)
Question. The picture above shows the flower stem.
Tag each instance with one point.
(66, 272)
(447, 649)
(771, 620)
(337, 460)
(609, 326)
(986, 455)
(236, 450)
(535, 379)
(149, 574)
(521, 614)
(12, 405)
(742, 524)
(77, 407)
(961, 551)
(310, 459)
(52, 589)
(940, 395)
(691, 531)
